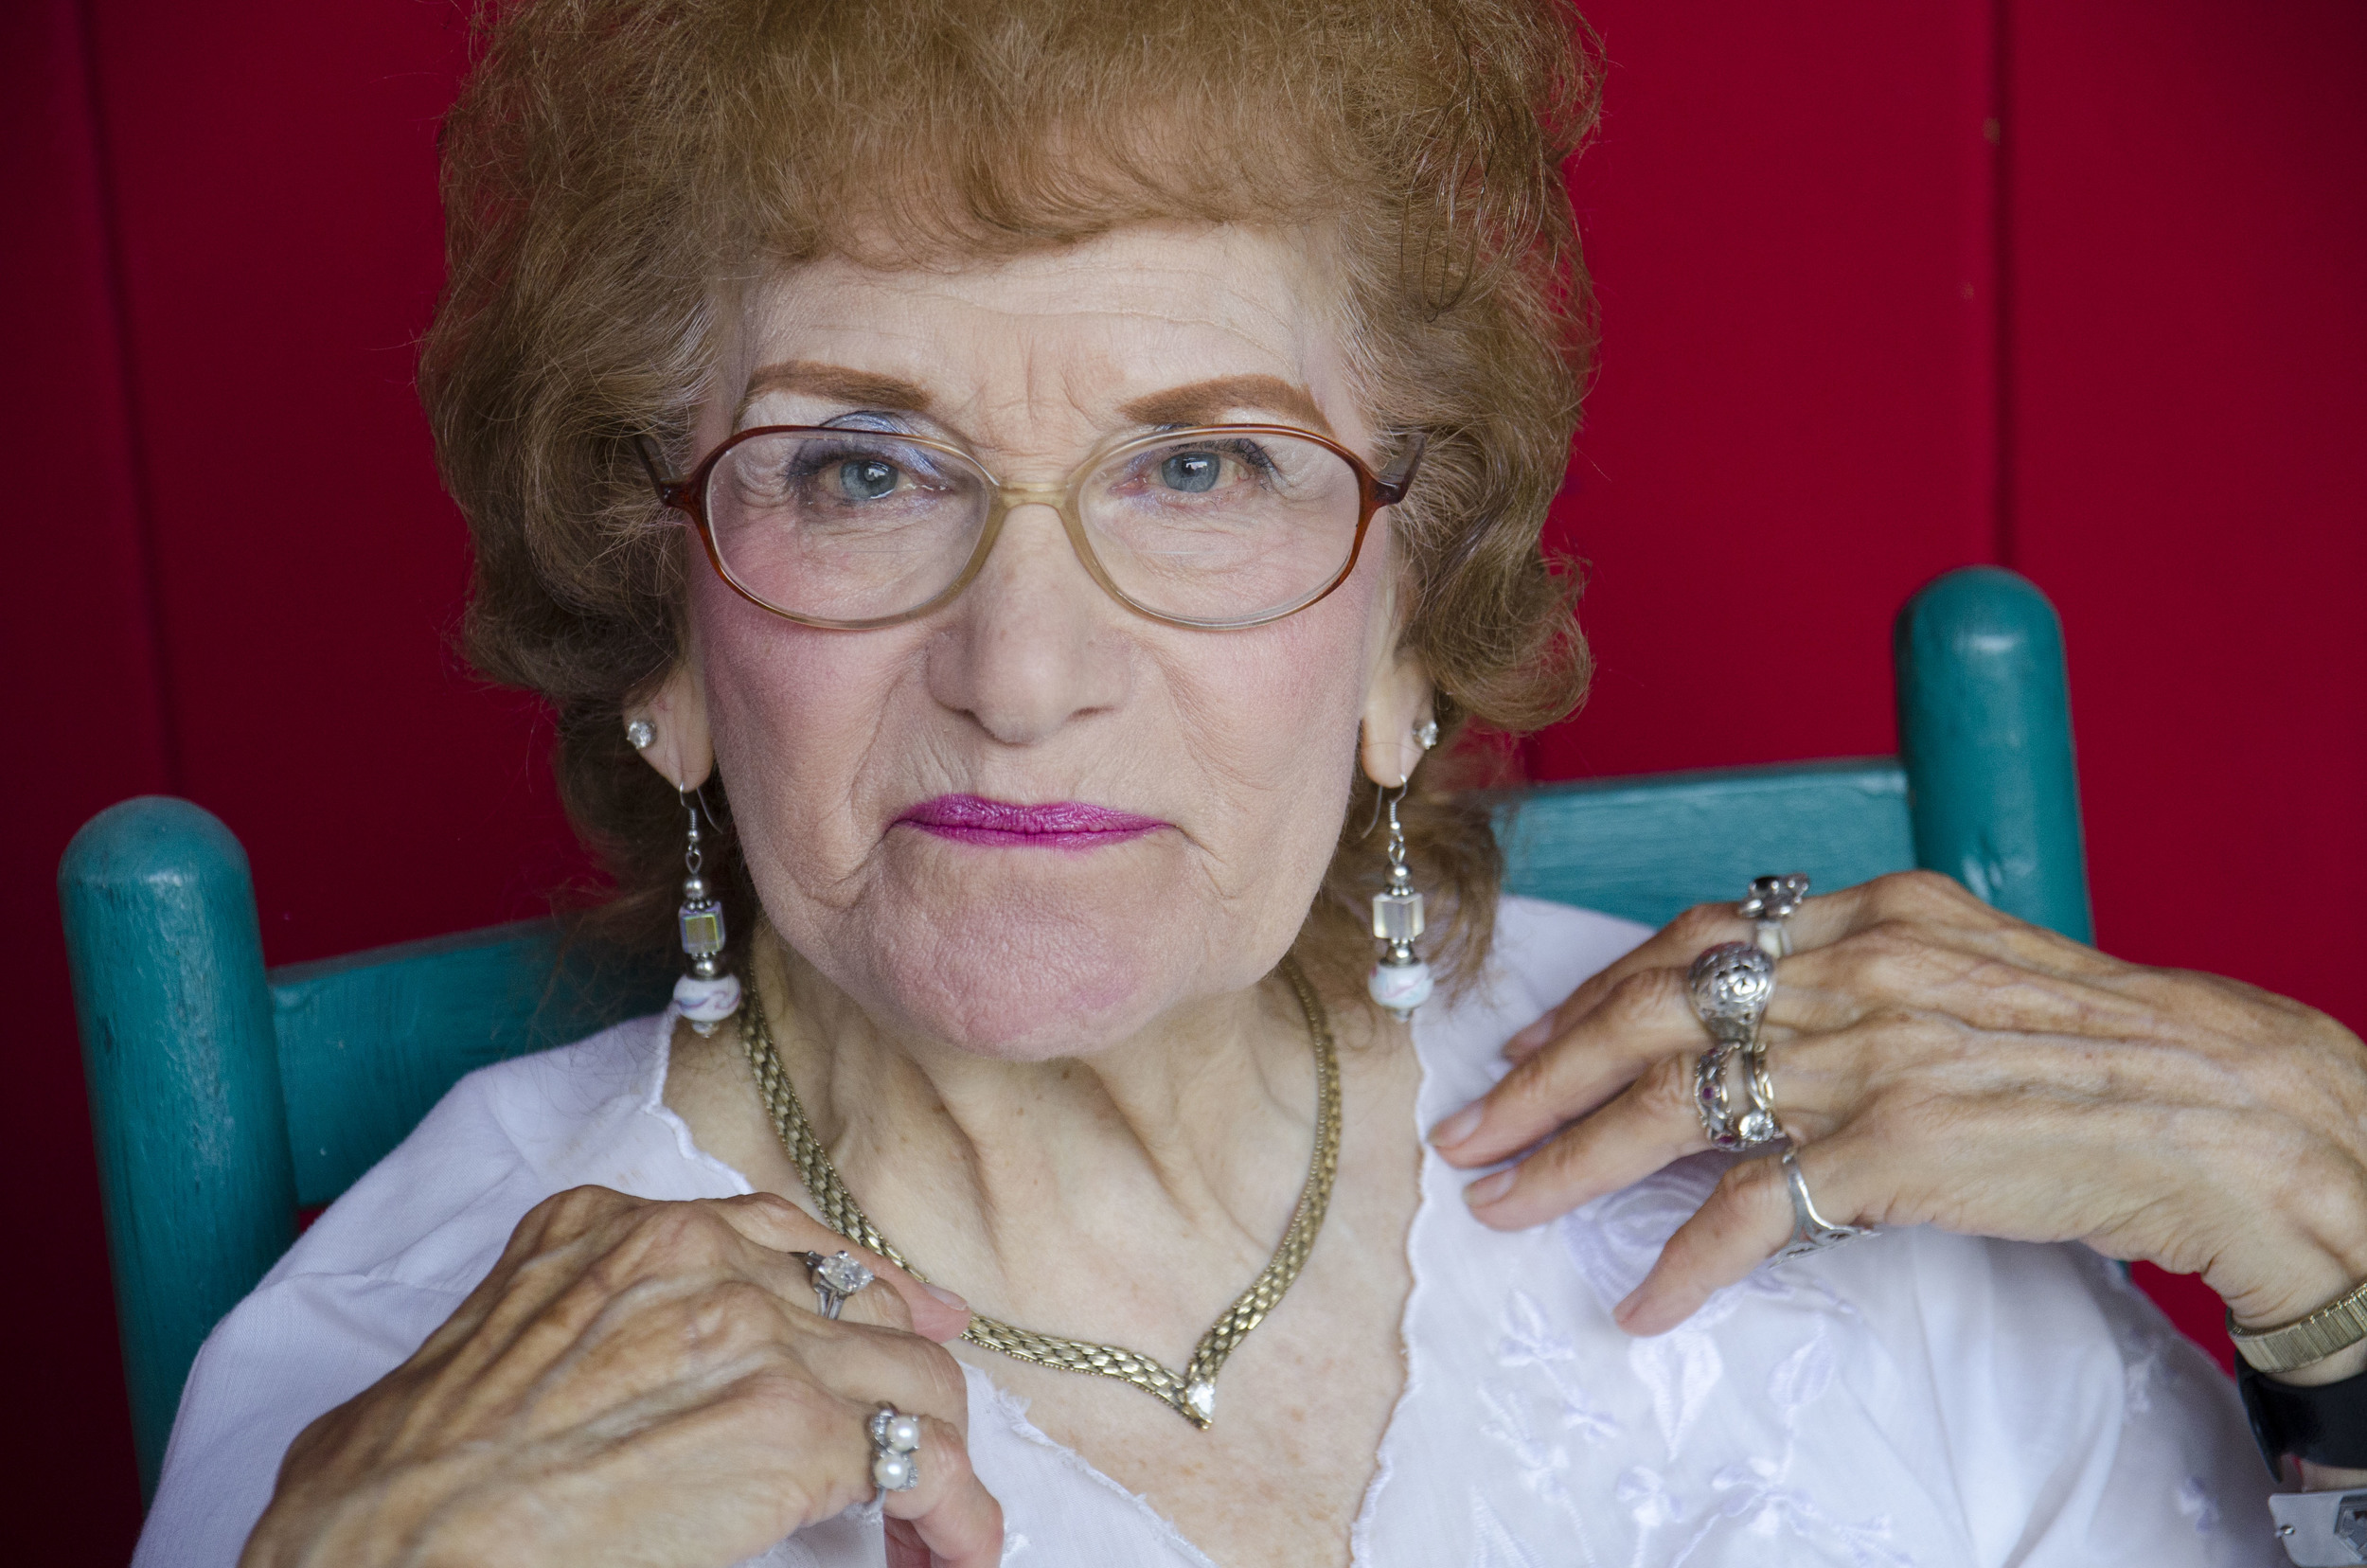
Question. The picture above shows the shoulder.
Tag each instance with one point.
(1541, 953)
(1544, 951)
(438, 1209)
(393, 1258)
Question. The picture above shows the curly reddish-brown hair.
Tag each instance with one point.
(617, 172)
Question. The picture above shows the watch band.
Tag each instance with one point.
(2325, 1425)
(2324, 1529)
(2339, 1325)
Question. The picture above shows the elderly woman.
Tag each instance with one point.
(1005, 496)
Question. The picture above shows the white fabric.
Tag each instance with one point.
(1916, 1399)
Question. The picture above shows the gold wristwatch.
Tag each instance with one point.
(2339, 1325)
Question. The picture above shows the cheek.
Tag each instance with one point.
(797, 716)
(1244, 742)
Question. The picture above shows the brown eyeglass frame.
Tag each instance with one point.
(687, 496)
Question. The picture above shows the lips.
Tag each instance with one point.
(1057, 825)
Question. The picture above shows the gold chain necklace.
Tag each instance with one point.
(1192, 1393)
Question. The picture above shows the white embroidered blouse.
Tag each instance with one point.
(1915, 1398)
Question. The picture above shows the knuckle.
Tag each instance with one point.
(1703, 922)
(786, 1397)
(1920, 891)
(771, 1204)
(1886, 954)
(940, 1375)
(1667, 1087)
(737, 1311)
(577, 1208)
(1648, 994)
(947, 1450)
(691, 1230)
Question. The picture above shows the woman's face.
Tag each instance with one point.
(855, 760)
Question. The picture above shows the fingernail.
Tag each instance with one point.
(1627, 1308)
(1458, 1127)
(1530, 1038)
(939, 1292)
(1488, 1188)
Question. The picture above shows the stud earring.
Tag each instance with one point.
(640, 734)
(706, 995)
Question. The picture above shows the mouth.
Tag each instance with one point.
(1057, 825)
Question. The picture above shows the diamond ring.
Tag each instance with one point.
(836, 1277)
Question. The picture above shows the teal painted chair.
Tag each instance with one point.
(226, 1097)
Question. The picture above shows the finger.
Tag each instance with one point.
(1645, 1021)
(776, 1223)
(871, 1365)
(1748, 1216)
(948, 1514)
(2009, 978)
(1675, 946)
(1650, 1123)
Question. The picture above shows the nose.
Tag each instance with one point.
(1033, 645)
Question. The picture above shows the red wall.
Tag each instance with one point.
(2115, 339)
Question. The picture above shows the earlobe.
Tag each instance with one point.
(669, 730)
(1399, 723)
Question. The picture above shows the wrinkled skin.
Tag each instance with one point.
(634, 1385)
(1060, 1079)
(1941, 1063)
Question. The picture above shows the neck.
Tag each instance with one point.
(1166, 1163)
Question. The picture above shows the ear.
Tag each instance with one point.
(1398, 702)
(680, 748)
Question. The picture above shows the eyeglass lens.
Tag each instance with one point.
(858, 525)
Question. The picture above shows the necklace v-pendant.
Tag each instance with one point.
(1191, 1393)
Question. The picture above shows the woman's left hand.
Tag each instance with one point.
(1939, 1062)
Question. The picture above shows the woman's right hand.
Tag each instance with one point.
(641, 1382)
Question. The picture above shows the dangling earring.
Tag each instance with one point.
(706, 995)
(1400, 981)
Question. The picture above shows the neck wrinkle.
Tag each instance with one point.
(1187, 1144)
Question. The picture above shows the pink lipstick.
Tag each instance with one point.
(1059, 824)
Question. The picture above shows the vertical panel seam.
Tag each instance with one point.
(118, 290)
(2003, 542)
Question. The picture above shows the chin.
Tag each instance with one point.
(1024, 959)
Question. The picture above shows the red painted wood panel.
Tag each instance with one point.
(2189, 441)
(85, 727)
(281, 245)
(1789, 215)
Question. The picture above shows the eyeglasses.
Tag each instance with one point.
(1214, 527)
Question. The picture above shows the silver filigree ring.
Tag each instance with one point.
(1730, 985)
(895, 1449)
(1727, 1133)
(1811, 1231)
(1771, 902)
(836, 1277)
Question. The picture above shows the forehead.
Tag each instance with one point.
(1096, 326)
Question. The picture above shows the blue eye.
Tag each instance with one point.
(865, 478)
(1190, 471)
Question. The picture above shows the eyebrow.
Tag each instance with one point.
(1211, 402)
(863, 388)
(1202, 402)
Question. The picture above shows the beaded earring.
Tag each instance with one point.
(1400, 981)
(706, 995)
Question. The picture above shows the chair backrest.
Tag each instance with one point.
(226, 1097)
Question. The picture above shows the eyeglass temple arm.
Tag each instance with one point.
(1394, 484)
(668, 490)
